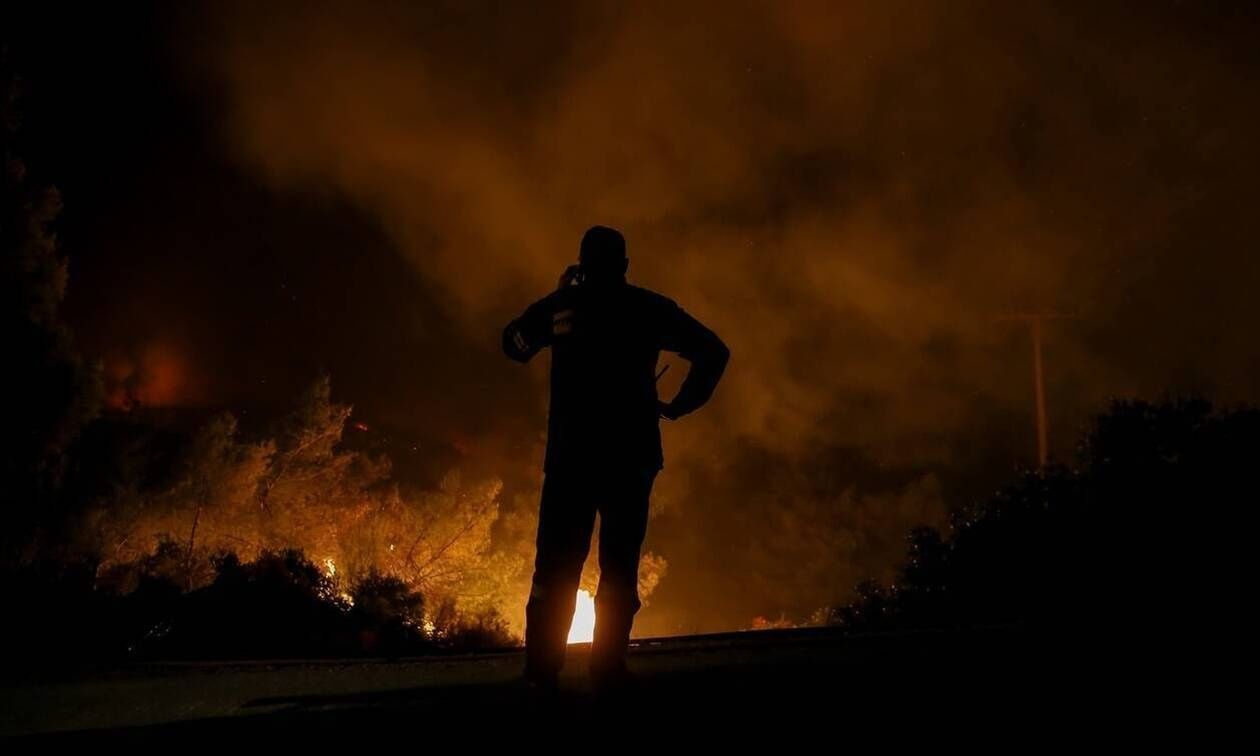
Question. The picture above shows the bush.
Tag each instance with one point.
(388, 616)
(280, 605)
(1116, 542)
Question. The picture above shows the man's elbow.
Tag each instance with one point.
(721, 354)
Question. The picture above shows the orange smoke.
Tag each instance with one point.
(154, 375)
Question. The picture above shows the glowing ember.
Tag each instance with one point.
(583, 628)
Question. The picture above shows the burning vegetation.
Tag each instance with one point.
(298, 489)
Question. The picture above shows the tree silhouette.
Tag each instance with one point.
(52, 392)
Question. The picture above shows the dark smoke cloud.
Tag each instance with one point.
(851, 193)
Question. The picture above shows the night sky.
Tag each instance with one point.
(851, 194)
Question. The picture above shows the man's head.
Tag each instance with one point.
(603, 256)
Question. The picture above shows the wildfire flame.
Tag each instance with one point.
(583, 628)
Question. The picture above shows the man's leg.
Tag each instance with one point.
(565, 520)
(622, 525)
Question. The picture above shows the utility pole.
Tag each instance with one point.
(1035, 320)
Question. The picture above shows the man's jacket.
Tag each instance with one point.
(605, 342)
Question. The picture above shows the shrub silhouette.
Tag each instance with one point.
(280, 605)
(388, 616)
(457, 631)
(1111, 543)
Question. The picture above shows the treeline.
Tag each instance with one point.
(1136, 537)
(214, 490)
(163, 543)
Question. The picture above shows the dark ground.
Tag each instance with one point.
(785, 685)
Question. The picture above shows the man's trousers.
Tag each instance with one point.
(570, 501)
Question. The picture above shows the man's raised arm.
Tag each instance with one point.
(706, 353)
(525, 336)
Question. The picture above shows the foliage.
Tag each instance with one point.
(299, 489)
(1111, 542)
(52, 392)
(279, 605)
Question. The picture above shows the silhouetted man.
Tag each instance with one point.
(603, 442)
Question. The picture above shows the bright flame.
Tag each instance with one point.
(583, 628)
